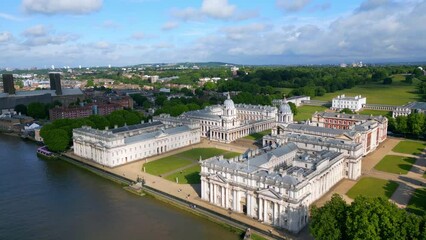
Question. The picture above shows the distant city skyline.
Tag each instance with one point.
(42, 33)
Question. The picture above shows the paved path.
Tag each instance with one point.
(407, 183)
(188, 192)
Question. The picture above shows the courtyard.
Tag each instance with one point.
(183, 167)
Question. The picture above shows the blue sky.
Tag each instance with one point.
(123, 32)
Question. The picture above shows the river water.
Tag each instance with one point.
(56, 200)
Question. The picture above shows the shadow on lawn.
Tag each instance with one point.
(417, 204)
(193, 178)
(390, 188)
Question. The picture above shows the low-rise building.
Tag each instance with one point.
(114, 147)
(276, 186)
(407, 109)
(353, 103)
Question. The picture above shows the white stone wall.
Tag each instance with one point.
(116, 152)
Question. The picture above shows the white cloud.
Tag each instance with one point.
(170, 26)
(109, 24)
(187, 14)
(10, 17)
(220, 9)
(39, 35)
(292, 5)
(138, 36)
(5, 37)
(35, 31)
(61, 6)
(216, 9)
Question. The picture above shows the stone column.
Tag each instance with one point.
(260, 208)
(275, 215)
(226, 198)
(214, 193)
(223, 197)
(211, 192)
(265, 210)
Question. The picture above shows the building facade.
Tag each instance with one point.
(119, 146)
(83, 111)
(229, 122)
(275, 186)
(407, 109)
(353, 103)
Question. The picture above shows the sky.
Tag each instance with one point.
(39, 33)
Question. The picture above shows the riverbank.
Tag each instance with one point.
(181, 196)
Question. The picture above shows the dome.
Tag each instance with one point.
(229, 103)
(285, 108)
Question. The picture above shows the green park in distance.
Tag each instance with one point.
(373, 187)
(305, 112)
(395, 164)
(184, 165)
(410, 147)
(398, 93)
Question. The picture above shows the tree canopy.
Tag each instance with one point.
(365, 218)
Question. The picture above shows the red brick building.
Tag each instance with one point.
(83, 111)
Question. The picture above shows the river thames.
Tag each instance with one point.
(56, 200)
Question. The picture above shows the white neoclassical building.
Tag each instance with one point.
(278, 185)
(353, 103)
(114, 147)
(229, 122)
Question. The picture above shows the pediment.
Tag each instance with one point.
(218, 178)
(270, 193)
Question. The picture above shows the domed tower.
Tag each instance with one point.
(285, 115)
(229, 117)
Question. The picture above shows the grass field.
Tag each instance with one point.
(373, 187)
(395, 164)
(410, 147)
(165, 165)
(194, 154)
(417, 203)
(305, 112)
(168, 164)
(376, 112)
(398, 93)
(187, 176)
(258, 135)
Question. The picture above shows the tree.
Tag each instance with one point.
(328, 222)
(21, 108)
(57, 140)
(293, 108)
(365, 218)
(100, 121)
(401, 124)
(346, 110)
(37, 110)
(415, 123)
(409, 79)
(387, 81)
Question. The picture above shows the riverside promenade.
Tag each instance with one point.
(191, 193)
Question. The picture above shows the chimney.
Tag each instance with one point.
(8, 83)
(55, 82)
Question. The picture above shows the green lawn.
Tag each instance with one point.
(373, 187)
(258, 135)
(194, 154)
(398, 93)
(305, 112)
(410, 147)
(395, 164)
(189, 175)
(183, 159)
(166, 164)
(417, 203)
(375, 112)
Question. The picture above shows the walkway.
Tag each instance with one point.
(407, 183)
(188, 192)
